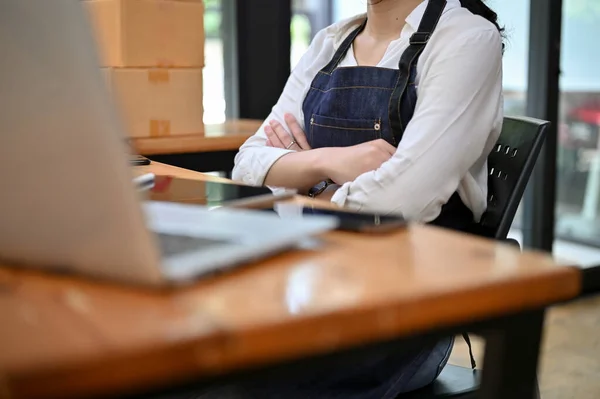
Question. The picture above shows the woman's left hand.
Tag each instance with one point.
(278, 137)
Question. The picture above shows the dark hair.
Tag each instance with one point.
(478, 7)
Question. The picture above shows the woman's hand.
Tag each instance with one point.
(340, 164)
(278, 137)
(345, 164)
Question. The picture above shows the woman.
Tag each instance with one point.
(395, 112)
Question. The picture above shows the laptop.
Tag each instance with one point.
(67, 201)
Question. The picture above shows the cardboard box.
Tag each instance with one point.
(148, 33)
(158, 102)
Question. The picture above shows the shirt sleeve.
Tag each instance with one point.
(254, 159)
(460, 95)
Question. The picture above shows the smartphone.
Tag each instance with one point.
(361, 222)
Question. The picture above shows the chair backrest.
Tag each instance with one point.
(510, 165)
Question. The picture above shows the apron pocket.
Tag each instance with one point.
(337, 132)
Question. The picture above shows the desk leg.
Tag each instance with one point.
(511, 358)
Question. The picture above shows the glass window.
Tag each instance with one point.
(343, 9)
(578, 168)
(514, 17)
(309, 17)
(213, 74)
(301, 33)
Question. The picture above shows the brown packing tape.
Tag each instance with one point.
(160, 128)
(158, 76)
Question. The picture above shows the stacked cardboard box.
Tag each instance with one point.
(152, 55)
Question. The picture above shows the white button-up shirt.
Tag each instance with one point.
(457, 119)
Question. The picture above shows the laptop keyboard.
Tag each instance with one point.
(172, 244)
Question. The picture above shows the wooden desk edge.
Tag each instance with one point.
(187, 144)
(222, 353)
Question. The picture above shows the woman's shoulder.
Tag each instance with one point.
(460, 22)
(466, 35)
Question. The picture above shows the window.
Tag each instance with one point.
(309, 17)
(343, 9)
(514, 17)
(213, 74)
(578, 163)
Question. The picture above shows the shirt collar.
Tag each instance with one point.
(414, 18)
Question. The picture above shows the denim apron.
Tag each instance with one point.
(346, 106)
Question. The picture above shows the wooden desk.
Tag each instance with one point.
(64, 336)
(213, 151)
(161, 169)
(228, 136)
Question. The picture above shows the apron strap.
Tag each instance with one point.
(343, 49)
(408, 61)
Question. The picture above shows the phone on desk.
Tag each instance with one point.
(361, 222)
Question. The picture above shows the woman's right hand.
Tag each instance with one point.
(278, 137)
(345, 164)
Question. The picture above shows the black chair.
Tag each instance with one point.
(510, 166)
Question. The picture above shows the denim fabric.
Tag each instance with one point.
(379, 376)
(350, 106)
